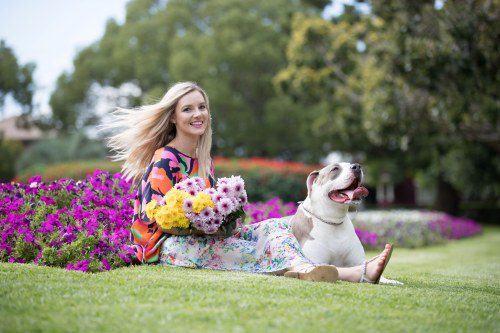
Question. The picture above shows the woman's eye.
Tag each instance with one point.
(186, 110)
(203, 107)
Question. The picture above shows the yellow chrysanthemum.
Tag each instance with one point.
(176, 196)
(201, 201)
(151, 209)
(172, 215)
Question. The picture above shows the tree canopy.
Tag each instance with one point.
(15, 79)
(231, 48)
(411, 86)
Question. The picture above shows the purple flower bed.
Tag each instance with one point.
(275, 208)
(85, 225)
(375, 228)
(414, 228)
(452, 227)
(80, 225)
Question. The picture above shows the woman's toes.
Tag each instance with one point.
(375, 267)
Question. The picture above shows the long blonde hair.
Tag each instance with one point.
(145, 129)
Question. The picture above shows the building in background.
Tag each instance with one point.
(23, 130)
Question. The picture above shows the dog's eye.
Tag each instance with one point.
(335, 169)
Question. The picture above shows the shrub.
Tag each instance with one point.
(80, 225)
(264, 179)
(9, 152)
(76, 170)
(56, 150)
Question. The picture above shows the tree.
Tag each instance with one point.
(15, 79)
(448, 58)
(410, 84)
(231, 48)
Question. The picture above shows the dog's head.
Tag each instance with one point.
(339, 183)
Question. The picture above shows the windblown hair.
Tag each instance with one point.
(145, 129)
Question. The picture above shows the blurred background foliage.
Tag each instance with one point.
(410, 88)
(16, 79)
(264, 178)
(64, 148)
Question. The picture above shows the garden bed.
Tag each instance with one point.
(403, 228)
(84, 225)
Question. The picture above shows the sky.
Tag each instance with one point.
(51, 32)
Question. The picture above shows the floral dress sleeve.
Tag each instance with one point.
(161, 175)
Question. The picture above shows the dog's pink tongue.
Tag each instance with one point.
(357, 193)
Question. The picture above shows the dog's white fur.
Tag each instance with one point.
(321, 242)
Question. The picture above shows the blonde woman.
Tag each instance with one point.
(171, 140)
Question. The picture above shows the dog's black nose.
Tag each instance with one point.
(356, 170)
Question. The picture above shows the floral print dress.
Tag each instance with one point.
(265, 247)
(168, 166)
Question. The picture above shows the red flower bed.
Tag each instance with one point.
(265, 164)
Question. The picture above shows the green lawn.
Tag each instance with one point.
(448, 288)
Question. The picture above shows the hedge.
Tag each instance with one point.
(264, 178)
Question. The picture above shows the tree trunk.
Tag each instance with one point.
(447, 198)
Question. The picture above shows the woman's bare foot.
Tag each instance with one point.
(376, 266)
(371, 272)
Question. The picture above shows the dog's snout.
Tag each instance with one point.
(356, 170)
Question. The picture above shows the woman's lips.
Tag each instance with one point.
(197, 124)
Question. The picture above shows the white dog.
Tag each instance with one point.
(321, 225)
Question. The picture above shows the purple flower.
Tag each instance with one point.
(274, 213)
(105, 264)
(225, 206)
(82, 266)
(366, 237)
(35, 179)
(224, 190)
(187, 205)
(48, 200)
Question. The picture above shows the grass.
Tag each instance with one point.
(448, 288)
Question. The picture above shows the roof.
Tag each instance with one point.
(10, 130)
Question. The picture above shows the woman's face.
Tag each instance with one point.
(191, 115)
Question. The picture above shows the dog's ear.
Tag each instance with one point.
(310, 180)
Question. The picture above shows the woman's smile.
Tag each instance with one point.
(197, 124)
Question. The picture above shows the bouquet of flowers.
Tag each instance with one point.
(190, 205)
